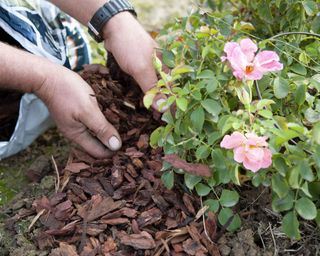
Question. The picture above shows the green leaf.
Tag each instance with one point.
(257, 179)
(157, 63)
(197, 119)
(306, 208)
(202, 152)
(212, 85)
(264, 11)
(280, 164)
(235, 224)
(265, 113)
(314, 188)
(304, 58)
(264, 103)
(148, 99)
(305, 189)
(225, 25)
(294, 177)
(316, 157)
(213, 137)
(191, 180)
(315, 26)
(182, 69)
(182, 103)
(235, 176)
(280, 185)
(225, 123)
(283, 204)
(202, 190)
(318, 218)
(155, 135)
(212, 106)
(225, 215)
(316, 133)
(310, 7)
(300, 94)
(206, 74)
(168, 58)
(312, 116)
(168, 179)
(299, 69)
(290, 225)
(229, 198)
(167, 117)
(305, 171)
(281, 87)
(205, 51)
(221, 174)
(214, 205)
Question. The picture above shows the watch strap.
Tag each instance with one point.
(104, 14)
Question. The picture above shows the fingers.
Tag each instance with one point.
(92, 145)
(159, 103)
(102, 129)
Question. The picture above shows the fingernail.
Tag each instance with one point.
(114, 143)
(159, 102)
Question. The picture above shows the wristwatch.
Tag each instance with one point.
(104, 14)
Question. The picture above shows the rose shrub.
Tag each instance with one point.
(245, 83)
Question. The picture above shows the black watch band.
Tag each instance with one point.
(104, 14)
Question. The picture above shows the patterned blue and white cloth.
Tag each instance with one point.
(42, 29)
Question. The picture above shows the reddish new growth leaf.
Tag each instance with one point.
(194, 169)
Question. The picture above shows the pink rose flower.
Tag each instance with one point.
(249, 149)
(245, 64)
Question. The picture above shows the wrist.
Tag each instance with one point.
(49, 82)
(21, 70)
(105, 14)
(116, 24)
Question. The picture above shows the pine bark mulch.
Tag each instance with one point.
(119, 206)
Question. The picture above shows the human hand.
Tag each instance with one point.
(76, 112)
(133, 49)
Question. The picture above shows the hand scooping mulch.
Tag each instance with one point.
(119, 206)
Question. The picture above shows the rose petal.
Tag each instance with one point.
(248, 48)
(251, 165)
(268, 61)
(255, 154)
(239, 154)
(234, 140)
(267, 158)
(239, 74)
(255, 140)
(238, 60)
(256, 74)
(229, 47)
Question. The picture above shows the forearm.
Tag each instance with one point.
(21, 70)
(81, 10)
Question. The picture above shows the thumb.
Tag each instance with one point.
(103, 130)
